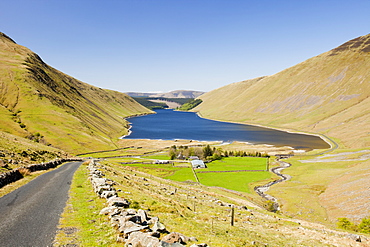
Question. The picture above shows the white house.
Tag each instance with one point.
(198, 164)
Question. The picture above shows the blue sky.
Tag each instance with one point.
(164, 45)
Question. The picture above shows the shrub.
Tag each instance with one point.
(135, 205)
(346, 224)
(271, 206)
(364, 226)
(216, 156)
(24, 171)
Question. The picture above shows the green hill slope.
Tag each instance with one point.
(44, 104)
(326, 94)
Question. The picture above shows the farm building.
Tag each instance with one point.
(198, 164)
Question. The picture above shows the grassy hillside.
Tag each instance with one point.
(16, 151)
(40, 102)
(326, 94)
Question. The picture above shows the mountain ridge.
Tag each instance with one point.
(68, 113)
(325, 94)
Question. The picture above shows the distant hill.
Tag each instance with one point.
(328, 94)
(43, 104)
(161, 102)
(172, 94)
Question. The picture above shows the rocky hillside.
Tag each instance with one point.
(172, 94)
(326, 94)
(50, 107)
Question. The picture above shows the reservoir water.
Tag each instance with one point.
(171, 125)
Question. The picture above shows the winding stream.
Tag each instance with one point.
(261, 190)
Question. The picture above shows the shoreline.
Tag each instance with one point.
(130, 126)
(333, 145)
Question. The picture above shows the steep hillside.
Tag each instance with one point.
(38, 101)
(16, 151)
(326, 94)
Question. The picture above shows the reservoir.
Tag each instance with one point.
(172, 125)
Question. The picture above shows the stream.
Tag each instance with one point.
(261, 190)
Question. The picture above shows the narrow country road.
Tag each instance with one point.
(29, 215)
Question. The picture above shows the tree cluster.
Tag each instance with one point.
(208, 153)
(184, 152)
(346, 224)
(190, 105)
(244, 154)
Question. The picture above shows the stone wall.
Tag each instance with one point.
(14, 175)
(135, 227)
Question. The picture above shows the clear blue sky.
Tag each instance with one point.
(163, 45)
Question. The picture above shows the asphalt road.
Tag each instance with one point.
(29, 215)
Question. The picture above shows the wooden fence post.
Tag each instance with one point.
(232, 216)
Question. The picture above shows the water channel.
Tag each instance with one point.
(172, 125)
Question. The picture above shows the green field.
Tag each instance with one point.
(237, 163)
(158, 157)
(183, 174)
(239, 181)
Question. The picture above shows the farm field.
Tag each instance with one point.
(158, 157)
(220, 173)
(237, 163)
(238, 181)
(182, 175)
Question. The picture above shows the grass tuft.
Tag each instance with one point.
(24, 171)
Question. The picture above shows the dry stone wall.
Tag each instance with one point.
(14, 175)
(135, 227)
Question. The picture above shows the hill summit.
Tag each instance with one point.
(172, 94)
(327, 94)
(42, 103)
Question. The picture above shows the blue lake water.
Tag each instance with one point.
(171, 125)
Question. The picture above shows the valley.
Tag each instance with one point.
(328, 95)
(47, 115)
(191, 208)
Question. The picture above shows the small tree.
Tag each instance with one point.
(216, 156)
(364, 226)
(191, 152)
(207, 151)
(172, 154)
(344, 223)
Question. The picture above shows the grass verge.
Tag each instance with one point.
(80, 223)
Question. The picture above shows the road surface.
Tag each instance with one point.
(29, 215)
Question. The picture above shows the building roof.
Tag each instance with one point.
(196, 163)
